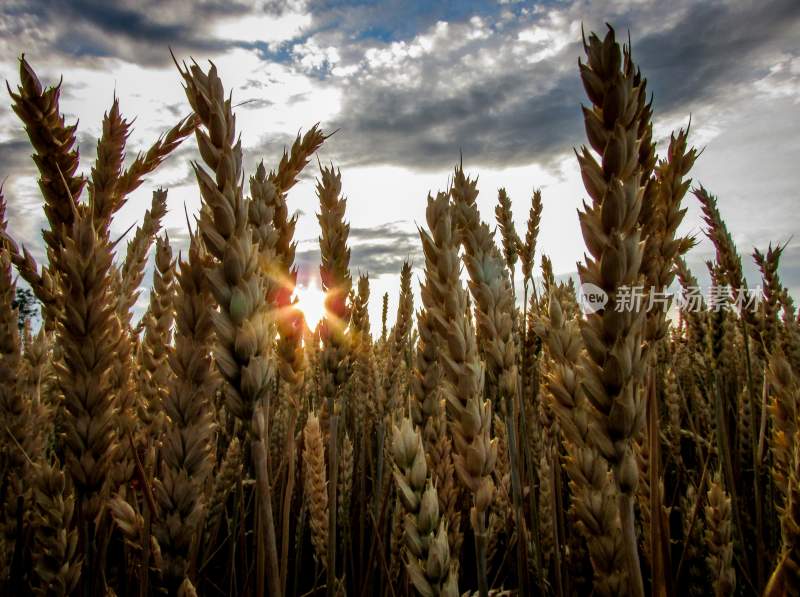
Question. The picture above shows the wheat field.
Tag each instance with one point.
(490, 442)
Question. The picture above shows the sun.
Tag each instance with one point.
(311, 301)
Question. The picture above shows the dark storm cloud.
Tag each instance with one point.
(15, 157)
(137, 31)
(378, 250)
(495, 122)
(515, 112)
(715, 47)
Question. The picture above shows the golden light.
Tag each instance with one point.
(311, 301)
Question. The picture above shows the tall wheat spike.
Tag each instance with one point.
(468, 415)
(429, 567)
(56, 563)
(242, 328)
(613, 336)
(186, 454)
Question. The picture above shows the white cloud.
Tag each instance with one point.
(262, 27)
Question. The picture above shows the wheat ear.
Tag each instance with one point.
(55, 154)
(155, 348)
(243, 331)
(593, 493)
(428, 564)
(56, 562)
(315, 484)
(186, 457)
(145, 163)
(719, 539)
(469, 416)
(508, 233)
(613, 335)
(89, 401)
(495, 314)
(527, 250)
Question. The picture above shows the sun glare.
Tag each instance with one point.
(311, 301)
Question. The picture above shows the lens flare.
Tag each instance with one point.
(311, 301)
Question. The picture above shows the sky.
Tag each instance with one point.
(412, 86)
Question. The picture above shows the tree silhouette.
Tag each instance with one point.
(26, 305)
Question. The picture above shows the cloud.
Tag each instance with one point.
(507, 92)
(713, 48)
(140, 31)
(378, 250)
(14, 156)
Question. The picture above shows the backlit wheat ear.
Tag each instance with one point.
(292, 163)
(511, 241)
(613, 336)
(155, 348)
(491, 290)
(783, 408)
(55, 156)
(55, 558)
(243, 331)
(91, 438)
(772, 290)
(397, 342)
(316, 490)
(428, 551)
(336, 354)
(364, 406)
(225, 480)
(694, 318)
(147, 162)
(345, 480)
(428, 411)
(663, 246)
(384, 314)
(57, 159)
(426, 377)
(336, 280)
(593, 493)
(495, 315)
(468, 415)
(186, 456)
(527, 250)
(730, 261)
(719, 539)
(108, 166)
(132, 271)
(274, 231)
